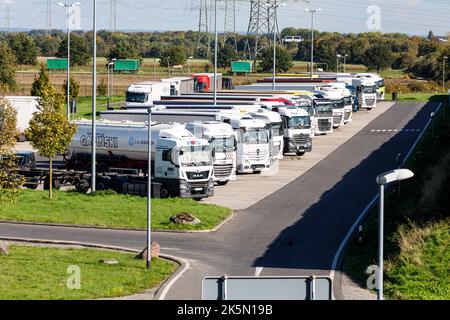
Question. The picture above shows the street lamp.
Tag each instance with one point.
(443, 73)
(68, 6)
(111, 92)
(189, 64)
(215, 51)
(275, 21)
(337, 62)
(94, 98)
(312, 11)
(382, 180)
(345, 62)
(149, 191)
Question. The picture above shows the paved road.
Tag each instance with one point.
(296, 230)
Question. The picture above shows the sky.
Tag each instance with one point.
(406, 16)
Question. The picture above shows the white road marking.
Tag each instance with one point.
(168, 286)
(258, 271)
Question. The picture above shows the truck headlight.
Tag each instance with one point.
(210, 184)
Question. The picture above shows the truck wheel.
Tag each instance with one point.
(164, 192)
(56, 184)
(302, 153)
(222, 183)
(257, 172)
(31, 186)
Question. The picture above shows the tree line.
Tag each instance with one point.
(422, 56)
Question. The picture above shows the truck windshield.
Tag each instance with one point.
(195, 156)
(256, 136)
(136, 97)
(380, 84)
(222, 144)
(300, 122)
(337, 104)
(277, 129)
(371, 89)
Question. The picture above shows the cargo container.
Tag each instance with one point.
(127, 65)
(245, 67)
(180, 85)
(56, 64)
(205, 81)
(25, 107)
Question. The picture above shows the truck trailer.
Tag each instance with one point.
(143, 94)
(181, 162)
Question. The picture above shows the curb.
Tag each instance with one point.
(159, 292)
(79, 226)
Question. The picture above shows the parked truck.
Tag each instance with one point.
(180, 85)
(181, 162)
(222, 139)
(366, 92)
(25, 106)
(143, 94)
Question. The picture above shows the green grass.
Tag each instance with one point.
(422, 269)
(393, 73)
(41, 273)
(419, 97)
(84, 106)
(107, 209)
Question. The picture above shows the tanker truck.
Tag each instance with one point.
(181, 162)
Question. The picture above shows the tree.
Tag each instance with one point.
(283, 59)
(24, 48)
(102, 88)
(10, 183)
(122, 50)
(74, 88)
(379, 57)
(79, 51)
(7, 68)
(40, 83)
(174, 55)
(49, 131)
(225, 55)
(431, 35)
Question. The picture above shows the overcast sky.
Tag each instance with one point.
(408, 16)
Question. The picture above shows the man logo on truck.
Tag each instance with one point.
(102, 141)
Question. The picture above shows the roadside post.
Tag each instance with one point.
(149, 191)
(94, 99)
(382, 180)
(432, 124)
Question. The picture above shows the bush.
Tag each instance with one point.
(102, 88)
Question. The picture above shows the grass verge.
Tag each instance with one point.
(41, 273)
(109, 210)
(416, 226)
(419, 97)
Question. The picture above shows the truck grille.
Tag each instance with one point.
(370, 102)
(198, 187)
(222, 170)
(258, 156)
(347, 115)
(322, 114)
(324, 125)
(337, 119)
(197, 175)
(300, 139)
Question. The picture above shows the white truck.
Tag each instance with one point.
(379, 82)
(181, 162)
(347, 99)
(337, 103)
(275, 126)
(323, 114)
(366, 89)
(143, 94)
(222, 139)
(297, 130)
(250, 128)
(253, 144)
(180, 85)
(25, 107)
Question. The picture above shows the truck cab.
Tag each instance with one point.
(274, 125)
(253, 144)
(142, 95)
(366, 89)
(324, 116)
(222, 139)
(297, 130)
(337, 103)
